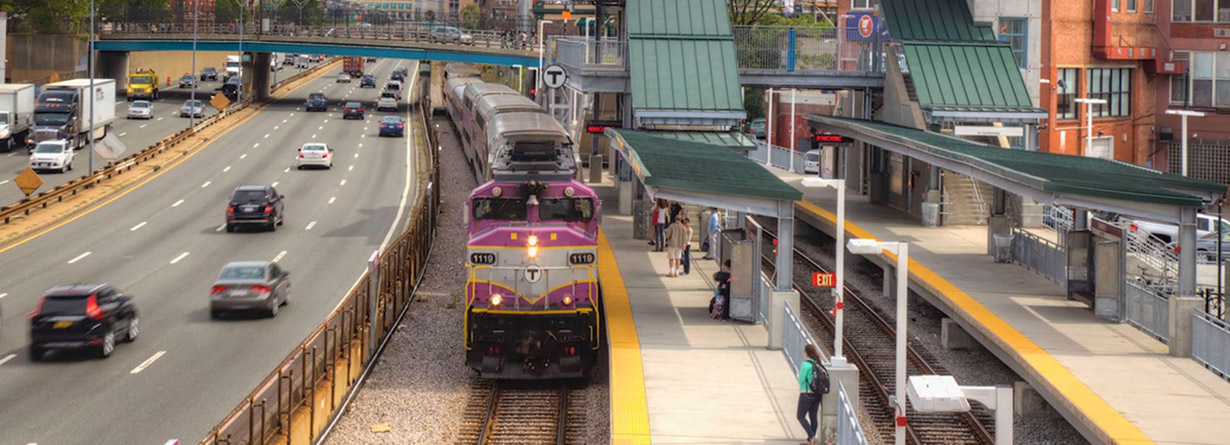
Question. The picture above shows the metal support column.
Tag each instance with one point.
(785, 245)
(1187, 252)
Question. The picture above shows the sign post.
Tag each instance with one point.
(554, 76)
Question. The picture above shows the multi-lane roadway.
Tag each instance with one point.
(163, 243)
(136, 134)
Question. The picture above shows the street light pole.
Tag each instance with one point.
(90, 67)
(538, 79)
(1089, 103)
(192, 95)
(1183, 115)
(793, 125)
(871, 246)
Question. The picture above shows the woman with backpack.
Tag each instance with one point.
(809, 394)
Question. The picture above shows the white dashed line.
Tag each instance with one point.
(360, 145)
(138, 226)
(3, 295)
(292, 114)
(287, 170)
(243, 156)
(219, 229)
(180, 257)
(227, 169)
(147, 362)
(275, 184)
(7, 358)
(266, 135)
(310, 225)
(12, 154)
(143, 125)
(279, 257)
(123, 134)
(330, 202)
(322, 127)
(351, 168)
(4, 181)
(284, 121)
(258, 144)
(177, 203)
(275, 127)
(342, 183)
(159, 118)
(206, 184)
(79, 257)
(356, 156)
(313, 136)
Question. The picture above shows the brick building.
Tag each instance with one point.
(183, 10)
(1197, 47)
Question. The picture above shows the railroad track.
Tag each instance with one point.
(869, 343)
(528, 413)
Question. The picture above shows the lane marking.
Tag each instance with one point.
(143, 126)
(123, 134)
(258, 144)
(177, 203)
(275, 184)
(322, 127)
(275, 127)
(351, 168)
(284, 121)
(4, 181)
(3, 295)
(12, 154)
(342, 183)
(292, 114)
(330, 202)
(206, 184)
(219, 229)
(266, 135)
(313, 136)
(159, 118)
(136, 227)
(147, 362)
(180, 257)
(79, 257)
(356, 156)
(287, 170)
(227, 169)
(310, 225)
(279, 257)
(243, 156)
(7, 358)
(360, 145)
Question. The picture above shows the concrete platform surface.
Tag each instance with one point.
(1123, 383)
(706, 381)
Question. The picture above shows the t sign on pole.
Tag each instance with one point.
(554, 76)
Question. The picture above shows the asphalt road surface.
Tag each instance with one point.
(163, 243)
(137, 134)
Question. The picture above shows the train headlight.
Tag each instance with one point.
(567, 300)
(496, 191)
(569, 191)
(531, 251)
(496, 300)
(532, 241)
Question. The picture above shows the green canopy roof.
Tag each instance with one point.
(1050, 172)
(967, 77)
(734, 140)
(944, 20)
(699, 167)
(681, 56)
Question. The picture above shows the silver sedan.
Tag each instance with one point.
(195, 108)
(250, 285)
(141, 109)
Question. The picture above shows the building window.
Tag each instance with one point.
(1178, 90)
(1148, 6)
(1131, 5)
(1201, 11)
(1114, 5)
(1065, 91)
(1014, 32)
(864, 4)
(1112, 85)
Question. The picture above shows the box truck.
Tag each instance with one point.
(232, 67)
(354, 66)
(16, 114)
(63, 111)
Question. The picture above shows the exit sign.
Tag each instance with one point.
(823, 279)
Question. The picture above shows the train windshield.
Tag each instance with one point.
(499, 208)
(566, 209)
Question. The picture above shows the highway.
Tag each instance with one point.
(137, 134)
(163, 243)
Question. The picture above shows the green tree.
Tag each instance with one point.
(749, 12)
(470, 15)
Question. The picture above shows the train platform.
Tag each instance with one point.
(677, 375)
(1111, 379)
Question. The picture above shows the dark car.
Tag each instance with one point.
(82, 316)
(316, 102)
(392, 126)
(209, 73)
(255, 204)
(397, 75)
(352, 110)
(371, 59)
(368, 81)
(230, 90)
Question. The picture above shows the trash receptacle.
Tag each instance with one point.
(1003, 248)
(931, 214)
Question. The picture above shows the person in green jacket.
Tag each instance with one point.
(809, 402)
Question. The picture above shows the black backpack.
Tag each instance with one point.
(819, 378)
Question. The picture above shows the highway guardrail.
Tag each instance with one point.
(73, 187)
(305, 392)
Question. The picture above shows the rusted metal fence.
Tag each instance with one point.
(295, 402)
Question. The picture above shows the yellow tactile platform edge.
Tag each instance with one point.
(1108, 423)
(629, 411)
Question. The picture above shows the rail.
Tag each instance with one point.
(776, 156)
(1155, 257)
(324, 370)
(1041, 256)
(805, 49)
(42, 200)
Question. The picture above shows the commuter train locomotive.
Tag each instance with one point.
(533, 309)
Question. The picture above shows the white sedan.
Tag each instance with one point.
(314, 154)
(141, 109)
(343, 78)
(52, 155)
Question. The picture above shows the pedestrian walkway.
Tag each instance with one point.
(1121, 382)
(699, 380)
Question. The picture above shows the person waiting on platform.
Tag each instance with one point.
(677, 237)
(722, 279)
(659, 219)
(715, 233)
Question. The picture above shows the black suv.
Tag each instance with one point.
(316, 101)
(209, 73)
(256, 204)
(398, 75)
(368, 81)
(352, 110)
(82, 316)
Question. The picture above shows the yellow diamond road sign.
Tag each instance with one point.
(220, 102)
(28, 181)
(55, 77)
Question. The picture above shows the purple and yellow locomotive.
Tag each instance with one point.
(533, 309)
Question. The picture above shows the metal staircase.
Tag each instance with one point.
(964, 202)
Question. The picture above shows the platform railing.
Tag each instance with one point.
(1148, 310)
(1039, 255)
(795, 338)
(804, 49)
(588, 53)
(400, 32)
(777, 157)
(1211, 342)
(849, 431)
